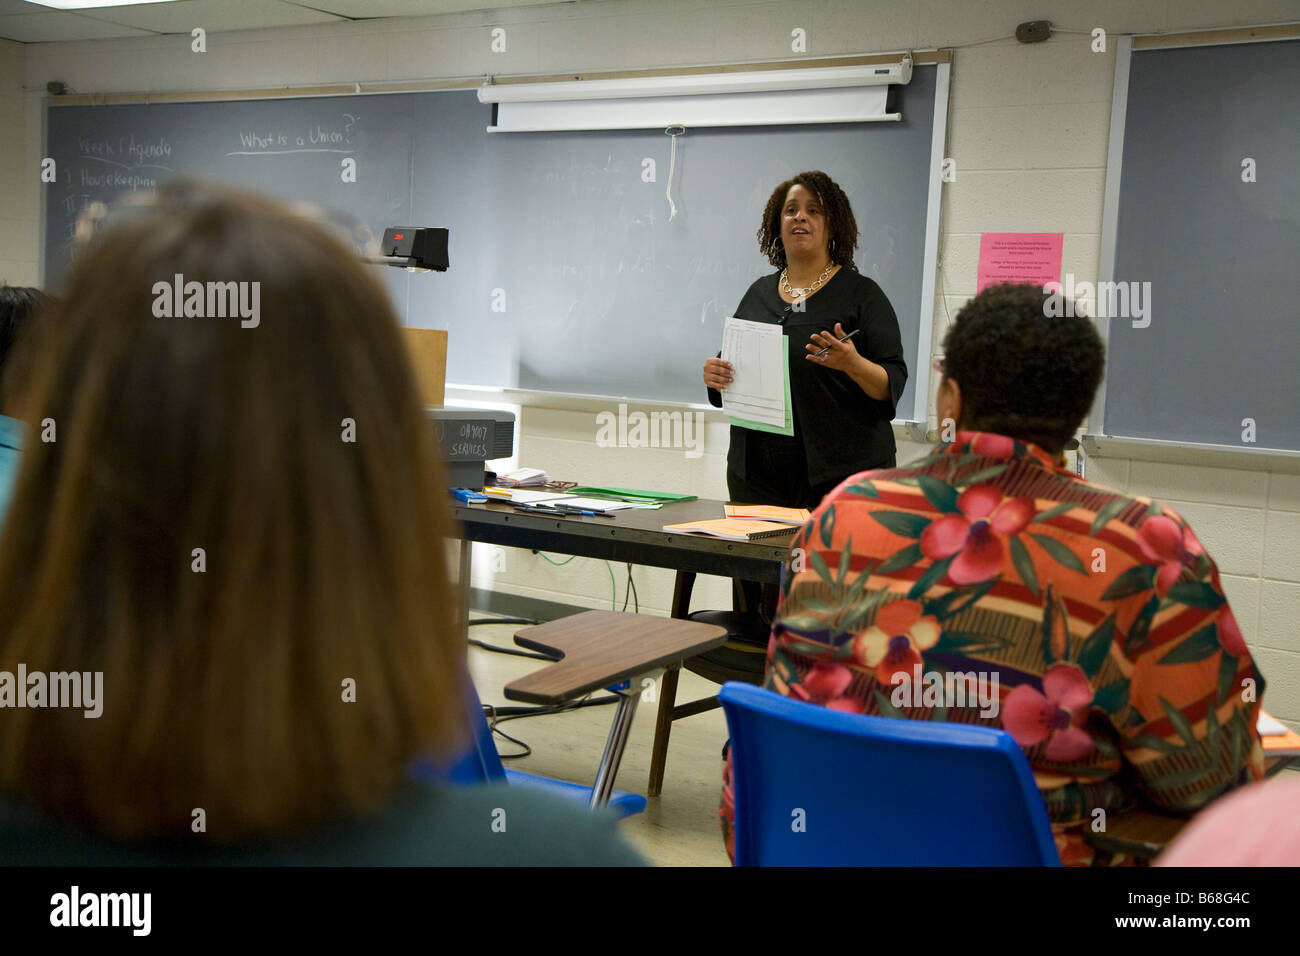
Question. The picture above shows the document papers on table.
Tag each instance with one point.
(1277, 739)
(759, 394)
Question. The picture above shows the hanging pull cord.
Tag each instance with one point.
(672, 164)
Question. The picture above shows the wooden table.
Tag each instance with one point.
(633, 536)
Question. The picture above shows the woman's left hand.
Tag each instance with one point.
(840, 355)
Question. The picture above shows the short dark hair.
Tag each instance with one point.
(17, 302)
(840, 224)
(1023, 372)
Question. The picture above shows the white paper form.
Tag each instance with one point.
(757, 353)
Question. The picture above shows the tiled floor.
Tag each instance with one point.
(679, 827)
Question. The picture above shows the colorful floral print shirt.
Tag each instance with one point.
(1095, 624)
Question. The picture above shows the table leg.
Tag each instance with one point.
(663, 728)
(465, 546)
(683, 585)
(614, 746)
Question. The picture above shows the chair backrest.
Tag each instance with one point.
(479, 763)
(815, 786)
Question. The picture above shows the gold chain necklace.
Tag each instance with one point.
(804, 293)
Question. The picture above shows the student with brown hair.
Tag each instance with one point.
(239, 521)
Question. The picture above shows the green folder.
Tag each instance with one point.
(631, 495)
(788, 428)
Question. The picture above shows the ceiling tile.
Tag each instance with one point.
(213, 15)
(414, 8)
(57, 26)
(19, 22)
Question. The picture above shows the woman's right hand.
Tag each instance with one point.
(717, 373)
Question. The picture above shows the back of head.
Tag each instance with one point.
(1252, 826)
(1023, 369)
(232, 507)
(17, 305)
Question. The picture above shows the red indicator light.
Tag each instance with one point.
(399, 236)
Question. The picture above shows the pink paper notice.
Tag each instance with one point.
(1019, 257)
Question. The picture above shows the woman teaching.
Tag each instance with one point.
(843, 392)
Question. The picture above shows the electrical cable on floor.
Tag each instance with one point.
(512, 651)
(499, 715)
(498, 732)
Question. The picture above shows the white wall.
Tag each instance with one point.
(1028, 130)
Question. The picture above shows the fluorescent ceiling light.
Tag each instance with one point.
(90, 4)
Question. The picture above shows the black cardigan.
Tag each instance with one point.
(841, 428)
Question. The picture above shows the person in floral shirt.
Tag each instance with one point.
(1094, 622)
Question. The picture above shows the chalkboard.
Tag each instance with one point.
(1208, 216)
(567, 273)
(292, 149)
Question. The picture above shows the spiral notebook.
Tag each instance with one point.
(732, 529)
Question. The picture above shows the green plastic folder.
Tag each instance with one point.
(788, 428)
(632, 495)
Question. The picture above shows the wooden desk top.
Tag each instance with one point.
(1140, 833)
(1144, 832)
(604, 647)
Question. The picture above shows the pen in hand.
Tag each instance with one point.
(845, 339)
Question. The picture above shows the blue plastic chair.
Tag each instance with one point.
(818, 787)
(482, 764)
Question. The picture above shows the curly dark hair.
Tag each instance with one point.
(841, 225)
(1023, 371)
